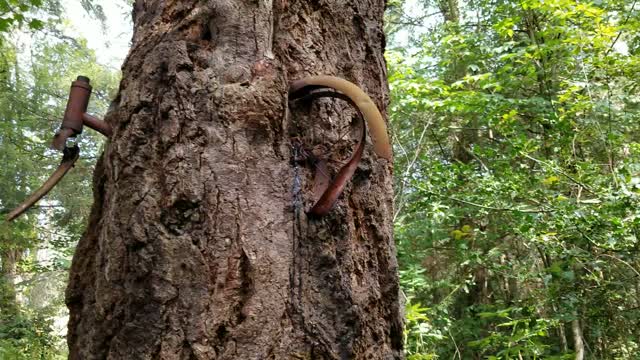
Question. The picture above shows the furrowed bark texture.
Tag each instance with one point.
(198, 246)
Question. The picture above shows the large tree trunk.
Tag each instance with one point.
(198, 246)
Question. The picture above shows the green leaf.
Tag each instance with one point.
(36, 24)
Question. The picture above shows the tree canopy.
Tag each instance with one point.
(517, 177)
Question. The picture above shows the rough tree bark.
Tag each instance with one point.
(198, 246)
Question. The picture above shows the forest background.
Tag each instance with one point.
(515, 127)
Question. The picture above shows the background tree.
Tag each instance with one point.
(527, 248)
(198, 245)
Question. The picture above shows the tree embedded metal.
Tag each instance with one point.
(75, 117)
(306, 89)
(69, 157)
(362, 101)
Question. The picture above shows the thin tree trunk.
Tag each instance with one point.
(464, 138)
(9, 259)
(198, 246)
(578, 343)
(563, 337)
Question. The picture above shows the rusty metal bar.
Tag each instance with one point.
(97, 124)
(69, 158)
(330, 190)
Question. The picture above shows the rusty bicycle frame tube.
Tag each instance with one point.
(76, 106)
(368, 109)
(75, 117)
(97, 124)
(331, 191)
(69, 158)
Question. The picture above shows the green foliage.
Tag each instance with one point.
(38, 15)
(17, 13)
(518, 180)
(29, 336)
(420, 335)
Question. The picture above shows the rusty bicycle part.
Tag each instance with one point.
(68, 160)
(329, 191)
(75, 117)
(358, 98)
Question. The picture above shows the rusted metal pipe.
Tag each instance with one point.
(77, 103)
(76, 106)
(97, 124)
(333, 191)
